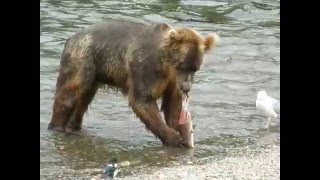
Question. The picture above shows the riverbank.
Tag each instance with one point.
(244, 165)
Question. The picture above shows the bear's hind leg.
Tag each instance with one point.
(76, 87)
(63, 107)
(75, 121)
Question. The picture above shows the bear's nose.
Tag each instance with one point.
(186, 87)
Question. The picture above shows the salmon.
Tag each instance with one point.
(185, 124)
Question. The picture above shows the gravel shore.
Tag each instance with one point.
(247, 165)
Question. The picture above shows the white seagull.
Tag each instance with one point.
(268, 106)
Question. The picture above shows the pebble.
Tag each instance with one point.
(124, 163)
(93, 171)
(95, 178)
(161, 176)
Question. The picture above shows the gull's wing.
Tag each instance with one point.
(276, 104)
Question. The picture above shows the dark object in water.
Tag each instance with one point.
(185, 124)
(111, 170)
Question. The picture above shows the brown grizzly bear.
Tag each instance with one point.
(144, 62)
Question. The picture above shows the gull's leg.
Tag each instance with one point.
(267, 126)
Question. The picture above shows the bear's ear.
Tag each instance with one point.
(210, 41)
(162, 27)
(175, 36)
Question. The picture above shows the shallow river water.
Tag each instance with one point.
(223, 96)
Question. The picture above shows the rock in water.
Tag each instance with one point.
(111, 170)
